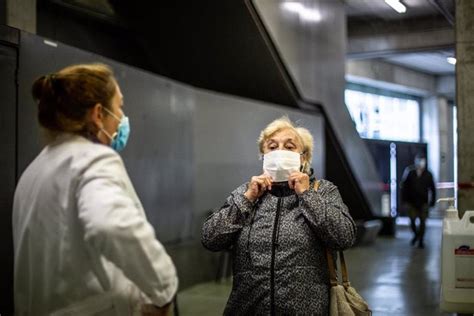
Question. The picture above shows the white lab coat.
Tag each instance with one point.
(83, 245)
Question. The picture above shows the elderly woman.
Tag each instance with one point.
(278, 227)
(83, 245)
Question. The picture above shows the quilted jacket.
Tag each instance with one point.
(278, 248)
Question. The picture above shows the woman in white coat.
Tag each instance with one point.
(82, 243)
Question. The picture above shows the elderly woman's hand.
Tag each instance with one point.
(299, 181)
(257, 186)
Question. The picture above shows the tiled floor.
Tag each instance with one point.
(394, 277)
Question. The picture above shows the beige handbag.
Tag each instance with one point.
(344, 299)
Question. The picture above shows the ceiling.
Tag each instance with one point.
(366, 16)
(379, 9)
(431, 62)
(375, 17)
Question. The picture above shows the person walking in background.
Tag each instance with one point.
(82, 243)
(278, 227)
(418, 193)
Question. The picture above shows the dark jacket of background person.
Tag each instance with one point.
(415, 189)
(278, 247)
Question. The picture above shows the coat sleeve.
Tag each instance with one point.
(115, 227)
(221, 228)
(432, 189)
(328, 216)
(404, 185)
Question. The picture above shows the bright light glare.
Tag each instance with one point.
(293, 6)
(383, 117)
(396, 5)
(451, 60)
(310, 15)
(303, 12)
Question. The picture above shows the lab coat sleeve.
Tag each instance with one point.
(328, 216)
(116, 227)
(221, 227)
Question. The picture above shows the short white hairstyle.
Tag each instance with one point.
(303, 134)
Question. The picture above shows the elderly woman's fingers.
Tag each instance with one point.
(257, 186)
(268, 183)
(299, 182)
(291, 183)
(260, 185)
(296, 174)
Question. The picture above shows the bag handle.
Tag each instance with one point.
(332, 269)
(332, 264)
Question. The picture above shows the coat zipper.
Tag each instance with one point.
(272, 263)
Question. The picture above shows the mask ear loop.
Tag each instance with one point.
(111, 113)
(111, 137)
(108, 135)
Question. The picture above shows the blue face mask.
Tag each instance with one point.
(120, 138)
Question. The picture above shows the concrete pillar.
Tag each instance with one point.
(446, 168)
(431, 134)
(21, 14)
(465, 100)
(438, 133)
(446, 147)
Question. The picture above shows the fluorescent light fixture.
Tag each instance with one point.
(303, 12)
(50, 43)
(451, 60)
(293, 6)
(310, 15)
(397, 5)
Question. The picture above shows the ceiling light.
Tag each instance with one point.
(397, 5)
(293, 6)
(310, 15)
(303, 12)
(451, 60)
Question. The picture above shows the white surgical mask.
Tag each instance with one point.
(279, 164)
(420, 163)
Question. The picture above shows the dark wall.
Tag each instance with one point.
(215, 45)
(3, 12)
(8, 114)
(105, 36)
(338, 171)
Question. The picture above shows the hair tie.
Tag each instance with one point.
(51, 77)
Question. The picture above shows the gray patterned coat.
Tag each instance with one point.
(278, 248)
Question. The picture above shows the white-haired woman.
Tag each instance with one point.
(279, 226)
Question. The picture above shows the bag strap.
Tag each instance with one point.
(332, 269)
(345, 274)
(332, 264)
